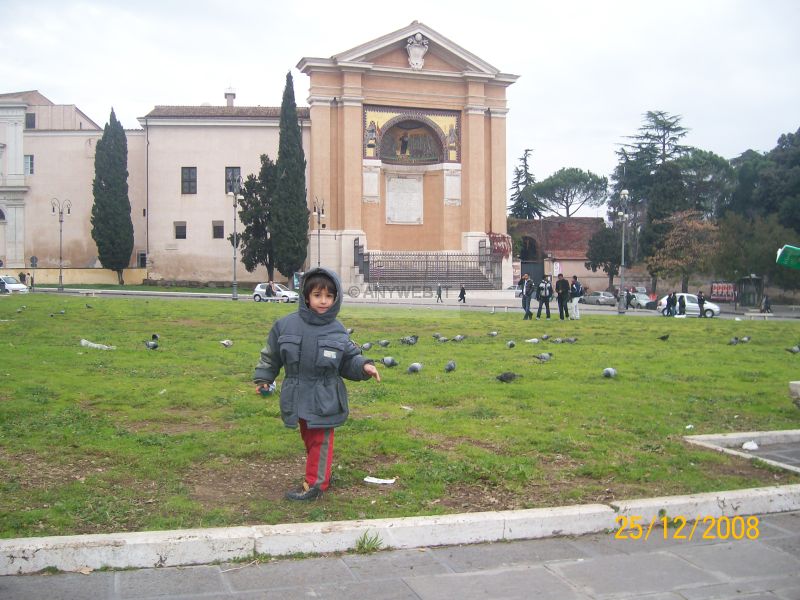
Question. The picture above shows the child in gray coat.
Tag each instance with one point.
(315, 352)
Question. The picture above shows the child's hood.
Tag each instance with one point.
(308, 315)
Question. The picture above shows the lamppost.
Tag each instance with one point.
(59, 207)
(623, 196)
(319, 211)
(235, 185)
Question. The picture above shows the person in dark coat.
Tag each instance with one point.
(544, 293)
(462, 294)
(682, 305)
(526, 289)
(701, 301)
(562, 295)
(315, 352)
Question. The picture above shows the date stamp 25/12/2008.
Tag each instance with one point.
(635, 527)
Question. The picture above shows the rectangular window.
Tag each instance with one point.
(218, 230)
(180, 230)
(30, 120)
(233, 176)
(188, 180)
(141, 260)
(28, 164)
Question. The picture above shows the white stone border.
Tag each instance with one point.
(730, 443)
(204, 546)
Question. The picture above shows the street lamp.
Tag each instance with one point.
(623, 196)
(59, 207)
(235, 185)
(319, 211)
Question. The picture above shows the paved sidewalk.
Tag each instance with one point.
(596, 566)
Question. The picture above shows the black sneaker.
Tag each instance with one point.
(305, 493)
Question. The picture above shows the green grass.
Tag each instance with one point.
(131, 439)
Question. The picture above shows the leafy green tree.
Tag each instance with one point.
(747, 170)
(568, 190)
(112, 227)
(709, 180)
(524, 204)
(667, 195)
(256, 238)
(605, 251)
(289, 209)
(688, 247)
(779, 181)
(749, 246)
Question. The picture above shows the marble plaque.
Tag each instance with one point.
(404, 199)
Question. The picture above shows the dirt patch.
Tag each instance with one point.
(37, 472)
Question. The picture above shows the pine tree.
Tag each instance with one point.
(289, 209)
(255, 215)
(112, 227)
(524, 204)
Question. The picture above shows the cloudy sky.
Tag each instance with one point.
(588, 69)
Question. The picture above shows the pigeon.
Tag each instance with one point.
(545, 337)
(571, 340)
(794, 349)
(349, 330)
(366, 346)
(556, 341)
(450, 366)
(459, 338)
(414, 368)
(492, 334)
(544, 356)
(511, 343)
(507, 377)
(89, 306)
(409, 340)
(442, 339)
(532, 341)
(436, 336)
(226, 343)
(664, 337)
(383, 343)
(734, 341)
(155, 336)
(609, 372)
(389, 361)
(745, 339)
(151, 344)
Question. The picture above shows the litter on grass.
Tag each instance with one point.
(371, 479)
(751, 445)
(88, 344)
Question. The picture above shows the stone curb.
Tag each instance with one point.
(204, 546)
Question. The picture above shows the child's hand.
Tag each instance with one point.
(370, 370)
(265, 389)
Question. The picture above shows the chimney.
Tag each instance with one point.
(229, 96)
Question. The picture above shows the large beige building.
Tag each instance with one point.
(405, 142)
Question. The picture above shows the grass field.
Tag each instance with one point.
(133, 439)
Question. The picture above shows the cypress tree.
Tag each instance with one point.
(112, 228)
(289, 211)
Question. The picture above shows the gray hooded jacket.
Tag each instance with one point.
(315, 352)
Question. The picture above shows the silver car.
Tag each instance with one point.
(692, 308)
(282, 293)
(606, 298)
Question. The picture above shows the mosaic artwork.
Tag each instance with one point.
(411, 136)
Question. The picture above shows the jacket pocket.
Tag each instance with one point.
(289, 346)
(326, 398)
(329, 355)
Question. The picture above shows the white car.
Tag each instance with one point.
(692, 308)
(12, 284)
(282, 293)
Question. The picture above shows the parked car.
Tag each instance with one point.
(517, 290)
(12, 284)
(640, 300)
(692, 308)
(606, 298)
(282, 293)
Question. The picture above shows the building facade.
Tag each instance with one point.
(405, 142)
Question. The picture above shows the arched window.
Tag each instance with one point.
(410, 142)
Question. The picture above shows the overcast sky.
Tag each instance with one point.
(588, 69)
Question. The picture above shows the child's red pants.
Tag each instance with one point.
(319, 455)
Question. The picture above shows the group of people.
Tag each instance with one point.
(566, 293)
(676, 304)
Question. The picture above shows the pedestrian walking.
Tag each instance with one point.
(701, 301)
(544, 293)
(526, 289)
(462, 294)
(439, 293)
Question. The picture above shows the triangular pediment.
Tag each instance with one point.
(390, 52)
